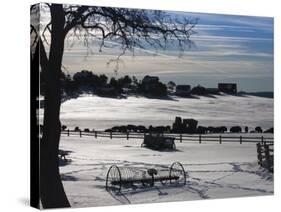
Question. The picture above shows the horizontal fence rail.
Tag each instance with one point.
(219, 138)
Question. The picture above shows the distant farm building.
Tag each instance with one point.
(150, 79)
(229, 88)
(149, 82)
(184, 125)
(152, 86)
(183, 90)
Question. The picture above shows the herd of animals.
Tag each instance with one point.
(188, 126)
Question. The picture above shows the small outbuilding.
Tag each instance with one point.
(183, 90)
(229, 88)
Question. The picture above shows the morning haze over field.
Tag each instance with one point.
(225, 48)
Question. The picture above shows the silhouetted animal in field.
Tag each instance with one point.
(258, 129)
(77, 129)
(63, 127)
(202, 130)
(236, 129)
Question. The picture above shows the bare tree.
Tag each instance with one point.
(130, 28)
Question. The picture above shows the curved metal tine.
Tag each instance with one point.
(177, 170)
(113, 176)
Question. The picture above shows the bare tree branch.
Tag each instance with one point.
(131, 27)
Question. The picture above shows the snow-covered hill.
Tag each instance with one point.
(101, 113)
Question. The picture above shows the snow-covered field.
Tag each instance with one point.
(214, 171)
(102, 113)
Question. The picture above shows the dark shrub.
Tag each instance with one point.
(108, 130)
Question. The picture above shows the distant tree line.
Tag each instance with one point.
(88, 82)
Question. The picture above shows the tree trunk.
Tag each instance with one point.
(51, 188)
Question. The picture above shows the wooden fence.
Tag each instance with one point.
(265, 155)
(219, 138)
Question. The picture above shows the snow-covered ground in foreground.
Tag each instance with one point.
(214, 170)
(102, 113)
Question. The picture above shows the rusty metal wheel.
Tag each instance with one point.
(177, 174)
(113, 179)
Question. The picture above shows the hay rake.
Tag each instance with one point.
(127, 177)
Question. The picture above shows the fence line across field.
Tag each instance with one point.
(178, 137)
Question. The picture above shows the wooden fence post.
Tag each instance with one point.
(220, 139)
(96, 134)
(267, 156)
(240, 139)
(80, 132)
(262, 139)
(180, 137)
(68, 132)
(259, 153)
(127, 135)
(200, 139)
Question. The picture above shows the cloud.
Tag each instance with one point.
(228, 38)
(227, 47)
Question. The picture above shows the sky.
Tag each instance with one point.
(227, 48)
